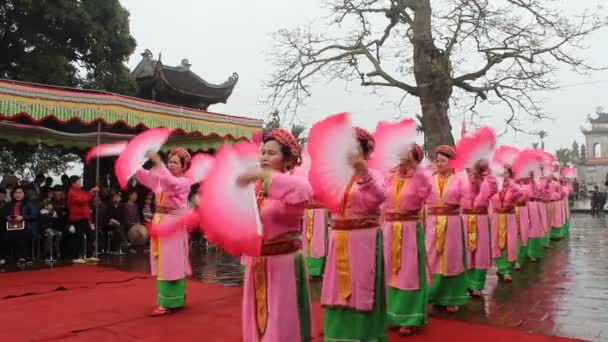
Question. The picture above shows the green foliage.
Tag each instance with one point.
(82, 43)
(576, 155)
(564, 156)
(26, 161)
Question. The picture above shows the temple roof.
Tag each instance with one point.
(601, 118)
(182, 80)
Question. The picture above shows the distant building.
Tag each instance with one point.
(593, 168)
(178, 85)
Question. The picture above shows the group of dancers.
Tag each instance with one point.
(397, 241)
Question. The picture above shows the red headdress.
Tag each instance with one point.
(183, 155)
(417, 152)
(446, 150)
(364, 135)
(286, 139)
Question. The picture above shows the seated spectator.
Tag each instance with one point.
(48, 218)
(115, 219)
(62, 223)
(132, 209)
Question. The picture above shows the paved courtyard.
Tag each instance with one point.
(565, 294)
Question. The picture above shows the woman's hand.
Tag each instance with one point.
(359, 164)
(251, 177)
(19, 218)
(154, 157)
(95, 189)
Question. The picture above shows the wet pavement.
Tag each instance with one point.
(566, 294)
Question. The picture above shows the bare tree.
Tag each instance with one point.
(499, 51)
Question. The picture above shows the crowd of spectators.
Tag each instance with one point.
(43, 221)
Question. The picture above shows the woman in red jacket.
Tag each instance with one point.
(79, 208)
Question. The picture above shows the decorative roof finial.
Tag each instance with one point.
(147, 54)
(186, 64)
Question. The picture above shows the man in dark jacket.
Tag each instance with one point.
(115, 220)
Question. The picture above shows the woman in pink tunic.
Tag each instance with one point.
(474, 208)
(354, 293)
(276, 301)
(504, 225)
(404, 253)
(558, 219)
(522, 215)
(545, 184)
(445, 234)
(536, 211)
(169, 253)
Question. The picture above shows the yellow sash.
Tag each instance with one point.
(342, 257)
(310, 215)
(502, 231)
(472, 233)
(442, 220)
(261, 300)
(259, 276)
(397, 227)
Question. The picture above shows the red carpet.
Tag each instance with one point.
(62, 278)
(117, 311)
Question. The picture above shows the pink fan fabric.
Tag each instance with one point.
(505, 155)
(526, 162)
(569, 172)
(134, 156)
(106, 150)
(199, 168)
(329, 144)
(230, 215)
(392, 141)
(473, 148)
(257, 138)
(303, 169)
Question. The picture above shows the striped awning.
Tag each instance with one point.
(39, 102)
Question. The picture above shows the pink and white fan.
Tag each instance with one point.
(200, 166)
(106, 150)
(505, 154)
(527, 162)
(569, 172)
(330, 143)
(230, 216)
(134, 155)
(303, 169)
(393, 141)
(473, 148)
(256, 138)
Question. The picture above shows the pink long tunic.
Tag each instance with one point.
(416, 188)
(477, 196)
(555, 197)
(566, 190)
(544, 191)
(450, 262)
(281, 213)
(364, 201)
(535, 211)
(506, 198)
(523, 212)
(168, 254)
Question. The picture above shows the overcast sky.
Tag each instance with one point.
(221, 37)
